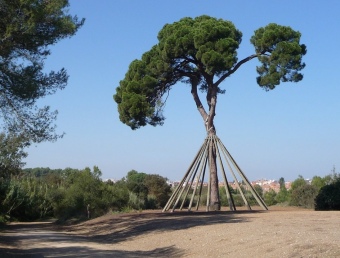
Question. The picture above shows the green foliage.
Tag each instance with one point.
(282, 183)
(159, 190)
(329, 194)
(147, 191)
(65, 193)
(198, 51)
(202, 52)
(285, 60)
(27, 29)
(223, 196)
(237, 197)
(26, 198)
(318, 182)
(238, 200)
(270, 197)
(116, 195)
(259, 190)
(304, 196)
(86, 188)
(204, 193)
(136, 184)
(300, 181)
(283, 195)
(11, 154)
(329, 197)
(186, 50)
(204, 40)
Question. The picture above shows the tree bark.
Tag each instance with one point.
(214, 201)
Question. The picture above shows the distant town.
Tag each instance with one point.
(265, 184)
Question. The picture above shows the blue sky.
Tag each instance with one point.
(290, 131)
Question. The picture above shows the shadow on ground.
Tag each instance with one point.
(34, 239)
(88, 252)
(121, 228)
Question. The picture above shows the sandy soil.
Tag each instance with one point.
(279, 232)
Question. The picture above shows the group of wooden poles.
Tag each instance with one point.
(190, 187)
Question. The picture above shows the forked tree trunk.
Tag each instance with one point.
(214, 200)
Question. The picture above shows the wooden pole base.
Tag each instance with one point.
(188, 193)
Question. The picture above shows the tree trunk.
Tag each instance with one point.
(214, 201)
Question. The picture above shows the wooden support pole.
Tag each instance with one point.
(180, 186)
(245, 179)
(202, 181)
(197, 170)
(226, 184)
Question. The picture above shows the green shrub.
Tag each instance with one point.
(238, 200)
(328, 197)
(304, 196)
(270, 197)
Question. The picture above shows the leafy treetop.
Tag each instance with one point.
(202, 52)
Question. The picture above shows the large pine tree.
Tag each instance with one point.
(202, 52)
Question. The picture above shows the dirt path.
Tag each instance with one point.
(35, 240)
(275, 233)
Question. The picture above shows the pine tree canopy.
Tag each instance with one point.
(202, 52)
(27, 29)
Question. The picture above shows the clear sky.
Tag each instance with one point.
(290, 131)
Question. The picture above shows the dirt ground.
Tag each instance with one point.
(279, 232)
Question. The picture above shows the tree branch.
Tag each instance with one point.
(201, 110)
(234, 69)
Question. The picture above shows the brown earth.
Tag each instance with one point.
(279, 232)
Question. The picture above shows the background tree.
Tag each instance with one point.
(135, 182)
(282, 183)
(116, 195)
(38, 193)
(318, 182)
(270, 197)
(302, 193)
(328, 197)
(283, 195)
(304, 196)
(11, 154)
(259, 189)
(27, 29)
(202, 52)
(300, 181)
(158, 190)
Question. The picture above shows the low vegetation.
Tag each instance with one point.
(41, 193)
(321, 193)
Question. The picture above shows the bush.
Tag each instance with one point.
(151, 203)
(136, 202)
(283, 196)
(238, 200)
(158, 190)
(328, 197)
(304, 196)
(270, 197)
